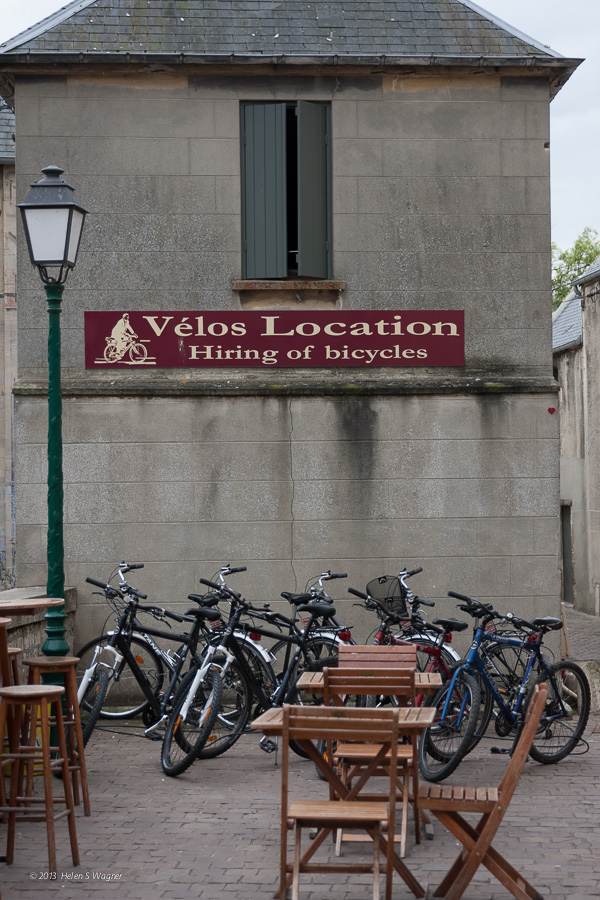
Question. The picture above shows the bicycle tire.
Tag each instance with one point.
(294, 696)
(443, 746)
(125, 695)
(319, 647)
(92, 702)
(184, 738)
(261, 669)
(566, 712)
(233, 713)
(111, 354)
(506, 666)
(137, 352)
(424, 657)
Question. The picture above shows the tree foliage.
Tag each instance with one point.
(567, 265)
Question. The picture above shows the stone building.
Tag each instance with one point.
(328, 224)
(576, 346)
(8, 340)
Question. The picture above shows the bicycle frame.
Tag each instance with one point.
(475, 665)
(119, 647)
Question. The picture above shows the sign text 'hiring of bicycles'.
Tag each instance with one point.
(192, 339)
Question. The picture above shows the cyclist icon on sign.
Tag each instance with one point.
(124, 340)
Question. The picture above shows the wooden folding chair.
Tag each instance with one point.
(449, 803)
(307, 724)
(353, 758)
(376, 656)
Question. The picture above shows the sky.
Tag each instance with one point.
(571, 28)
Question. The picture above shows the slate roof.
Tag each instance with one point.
(567, 325)
(7, 129)
(567, 330)
(591, 273)
(257, 28)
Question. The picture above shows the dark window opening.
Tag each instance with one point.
(286, 190)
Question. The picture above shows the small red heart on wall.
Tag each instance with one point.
(551, 410)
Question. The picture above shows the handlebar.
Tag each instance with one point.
(127, 567)
(222, 589)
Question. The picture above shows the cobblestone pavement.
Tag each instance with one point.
(213, 832)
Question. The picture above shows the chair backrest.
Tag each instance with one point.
(374, 656)
(342, 724)
(396, 682)
(515, 767)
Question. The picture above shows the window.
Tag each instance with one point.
(286, 190)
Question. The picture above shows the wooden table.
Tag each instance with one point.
(425, 682)
(25, 606)
(413, 720)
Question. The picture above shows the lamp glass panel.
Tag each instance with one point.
(47, 234)
(74, 237)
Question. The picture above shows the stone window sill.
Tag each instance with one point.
(267, 294)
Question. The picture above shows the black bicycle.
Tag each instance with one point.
(244, 695)
(127, 655)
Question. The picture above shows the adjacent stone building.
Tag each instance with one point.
(328, 227)
(576, 345)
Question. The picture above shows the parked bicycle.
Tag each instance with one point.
(127, 655)
(399, 608)
(245, 694)
(487, 679)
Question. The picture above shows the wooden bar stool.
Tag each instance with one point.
(29, 742)
(65, 666)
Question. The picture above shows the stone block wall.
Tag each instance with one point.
(465, 486)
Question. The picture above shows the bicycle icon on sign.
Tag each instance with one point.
(123, 341)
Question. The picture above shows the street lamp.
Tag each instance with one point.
(53, 222)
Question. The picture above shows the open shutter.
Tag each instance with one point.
(263, 190)
(313, 190)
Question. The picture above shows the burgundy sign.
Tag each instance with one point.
(268, 338)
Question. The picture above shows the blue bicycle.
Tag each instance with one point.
(496, 679)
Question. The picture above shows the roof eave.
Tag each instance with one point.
(571, 345)
(19, 58)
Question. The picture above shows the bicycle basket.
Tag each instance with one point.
(388, 589)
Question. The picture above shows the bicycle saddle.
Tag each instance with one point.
(548, 622)
(319, 609)
(211, 615)
(204, 599)
(296, 598)
(451, 624)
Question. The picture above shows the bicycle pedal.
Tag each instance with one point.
(267, 745)
(150, 732)
(499, 750)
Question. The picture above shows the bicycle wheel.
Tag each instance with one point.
(111, 354)
(91, 703)
(295, 696)
(138, 353)
(566, 713)
(505, 666)
(443, 745)
(430, 657)
(319, 647)
(185, 737)
(125, 697)
(261, 669)
(233, 714)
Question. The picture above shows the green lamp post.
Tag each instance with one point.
(53, 223)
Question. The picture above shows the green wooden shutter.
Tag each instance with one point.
(314, 184)
(264, 232)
